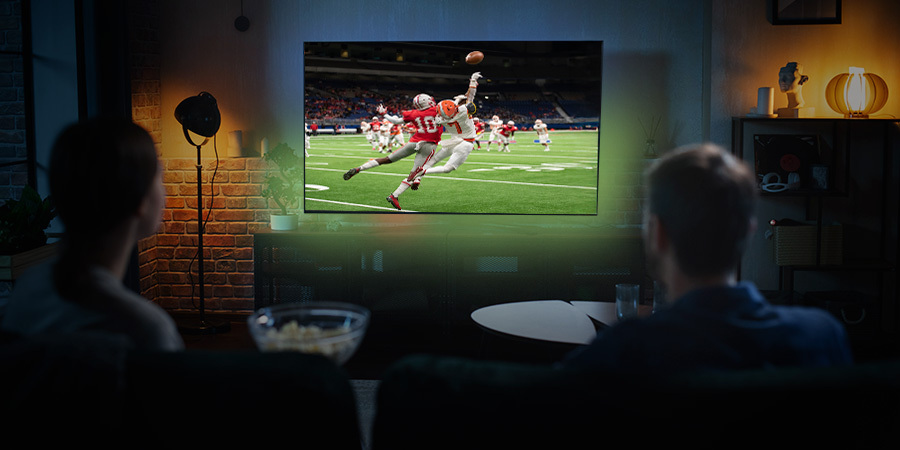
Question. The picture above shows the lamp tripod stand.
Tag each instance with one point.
(200, 115)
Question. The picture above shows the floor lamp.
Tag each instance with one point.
(200, 115)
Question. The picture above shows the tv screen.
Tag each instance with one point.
(524, 140)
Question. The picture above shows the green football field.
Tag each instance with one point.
(526, 180)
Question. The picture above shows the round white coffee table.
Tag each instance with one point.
(545, 320)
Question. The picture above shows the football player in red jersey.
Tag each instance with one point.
(479, 132)
(423, 142)
(375, 130)
(506, 133)
(456, 116)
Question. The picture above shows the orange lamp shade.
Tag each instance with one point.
(856, 93)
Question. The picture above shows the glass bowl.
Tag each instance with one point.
(333, 329)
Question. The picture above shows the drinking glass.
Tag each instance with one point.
(659, 296)
(627, 296)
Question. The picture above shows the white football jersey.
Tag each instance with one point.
(495, 124)
(541, 128)
(460, 125)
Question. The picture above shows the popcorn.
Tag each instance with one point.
(306, 339)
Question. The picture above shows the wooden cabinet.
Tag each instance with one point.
(848, 171)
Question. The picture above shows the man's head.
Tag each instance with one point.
(700, 210)
(104, 171)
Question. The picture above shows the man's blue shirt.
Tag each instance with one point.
(726, 327)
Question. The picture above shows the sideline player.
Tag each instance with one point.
(456, 116)
(506, 133)
(423, 143)
(543, 134)
(494, 125)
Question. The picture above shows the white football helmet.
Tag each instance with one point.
(495, 118)
(538, 122)
(510, 123)
(423, 101)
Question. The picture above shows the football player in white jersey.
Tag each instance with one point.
(495, 125)
(456, 117)
(366, 128)
(543, 134)
(384, 137)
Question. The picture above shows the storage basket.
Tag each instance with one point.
(795, 245)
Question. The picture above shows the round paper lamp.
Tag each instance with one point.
(856, 93)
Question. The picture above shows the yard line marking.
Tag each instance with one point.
(356, 204)
(518, 183)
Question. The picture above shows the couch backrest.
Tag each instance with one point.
(484, 404)
(93, 388)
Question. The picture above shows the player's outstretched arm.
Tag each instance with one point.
(473, 85)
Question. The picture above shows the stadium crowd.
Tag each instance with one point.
(327, 103)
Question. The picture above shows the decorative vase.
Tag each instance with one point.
(281, 222)
(650, 149)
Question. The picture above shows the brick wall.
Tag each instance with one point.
(235, 210)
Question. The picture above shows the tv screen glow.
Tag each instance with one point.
(557, 82)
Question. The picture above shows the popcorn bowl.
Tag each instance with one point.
(332, 329)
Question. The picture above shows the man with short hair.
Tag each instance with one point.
(698, 218)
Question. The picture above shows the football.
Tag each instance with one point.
(474, 57)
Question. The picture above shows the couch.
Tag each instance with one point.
(427, 401)
(92, 388)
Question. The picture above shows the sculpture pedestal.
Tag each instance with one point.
(793, 113)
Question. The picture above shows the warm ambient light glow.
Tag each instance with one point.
(856, 93)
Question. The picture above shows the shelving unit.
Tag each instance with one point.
(863, 160)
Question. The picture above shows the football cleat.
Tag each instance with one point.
(349, 174)
(417, 172)
(415, 184)
(393, 201)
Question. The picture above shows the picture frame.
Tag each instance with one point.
(805, 12)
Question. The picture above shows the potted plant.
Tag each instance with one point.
(285, 186)
(23, 237)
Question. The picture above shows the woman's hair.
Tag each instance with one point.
(100, 171)
(705, 199)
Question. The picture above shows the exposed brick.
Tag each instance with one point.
(245, 190)
(234, 215)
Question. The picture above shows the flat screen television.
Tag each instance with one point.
(556, 82)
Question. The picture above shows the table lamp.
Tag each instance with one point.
(856, 93)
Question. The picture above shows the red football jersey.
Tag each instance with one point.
(426, 129)
(507, 130)
(479, 127)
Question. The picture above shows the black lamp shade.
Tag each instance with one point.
(199, 114)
